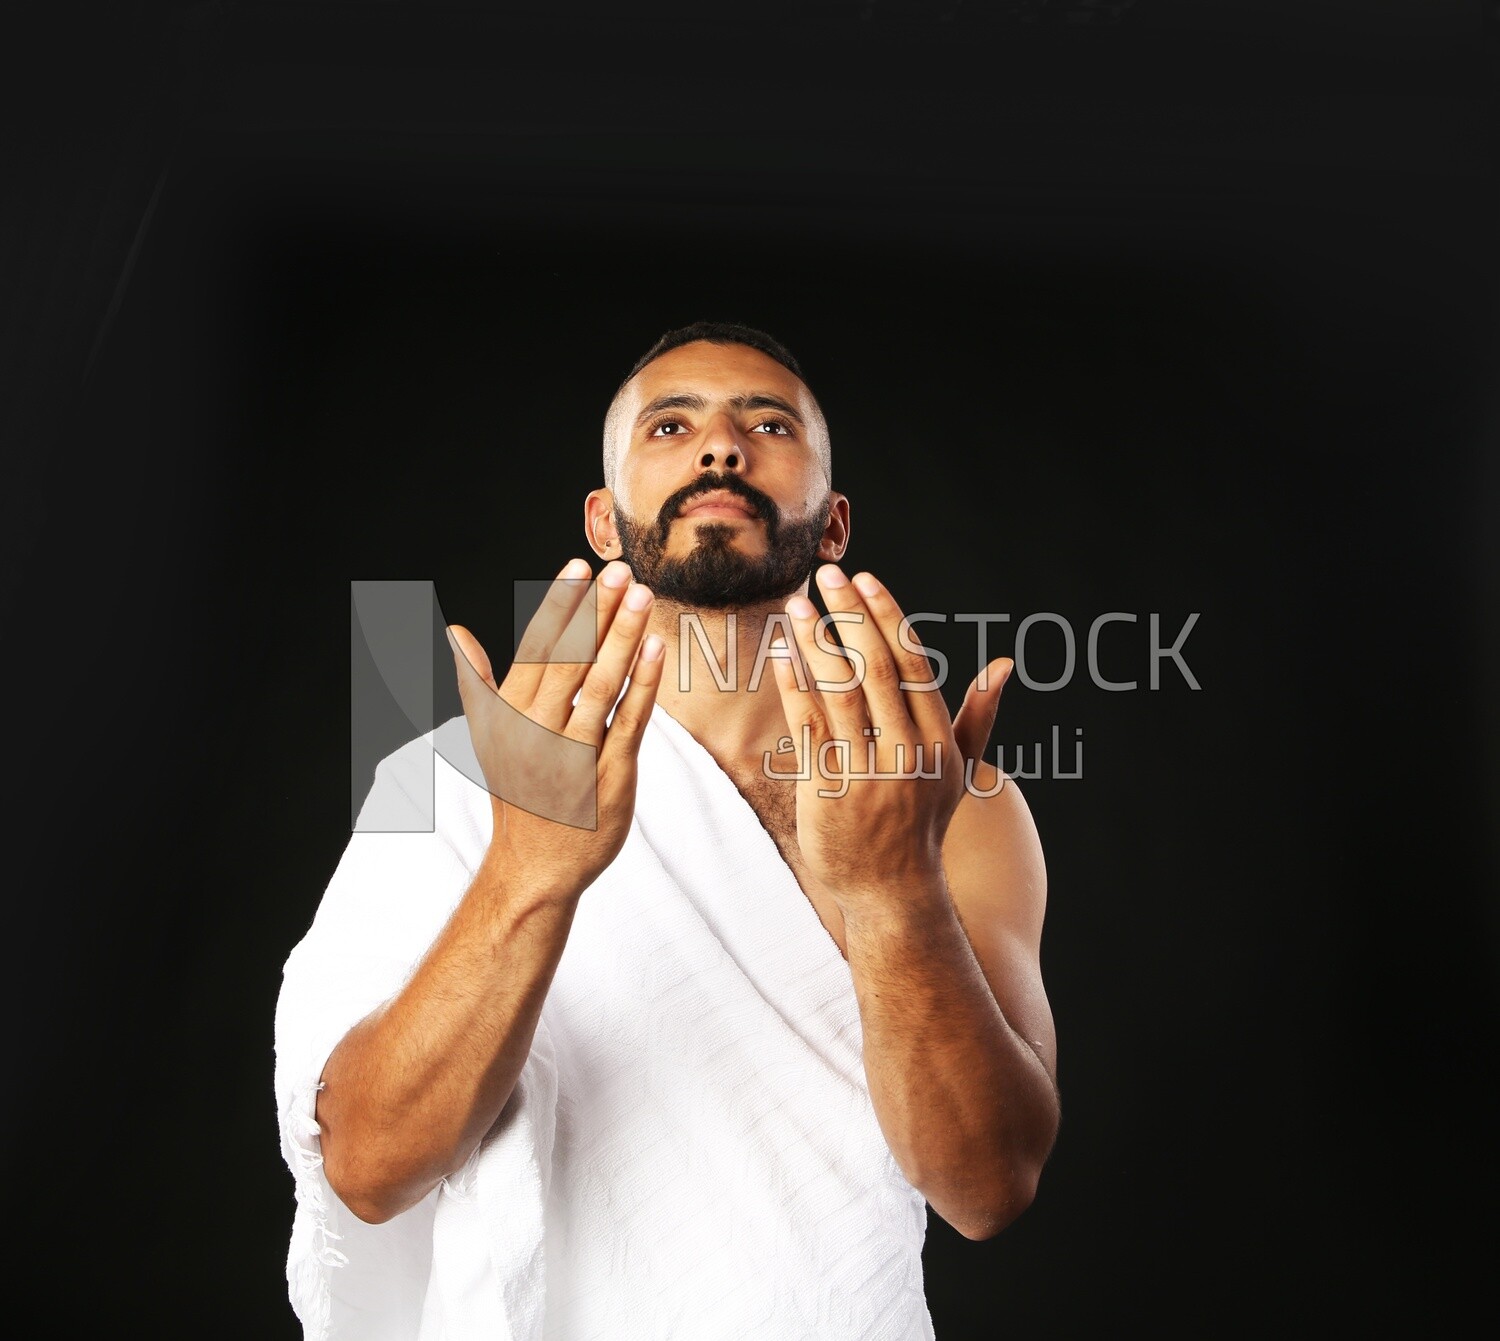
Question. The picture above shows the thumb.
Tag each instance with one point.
(976, 718)
(470, 657)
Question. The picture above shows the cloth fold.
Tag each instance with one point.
(691, 1150)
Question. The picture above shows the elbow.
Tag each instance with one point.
(371, 1210)
(374, 1176)
(368, 1196)
(377, 1170)
(983, 1218)
(996, 1190)
(361, 1196)
(977, 1226)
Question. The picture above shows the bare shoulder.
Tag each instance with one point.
(994, 861)
(997, 878)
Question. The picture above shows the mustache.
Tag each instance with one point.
(761, 505)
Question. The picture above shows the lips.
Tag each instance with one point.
(719, 503)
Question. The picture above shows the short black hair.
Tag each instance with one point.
(718, 333)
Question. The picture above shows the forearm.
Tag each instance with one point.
(965, 1103)
(410, 1091)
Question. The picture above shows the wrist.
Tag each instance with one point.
(915, 895)
(519, 882)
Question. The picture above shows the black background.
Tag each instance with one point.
(1152, 307)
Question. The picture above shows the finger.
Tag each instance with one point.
(470, 658)
(576, 651)
(976, 719)
(601, 685)
(837, 681)
(925, 706)
(879, 675)
(800, 702)
(581, 641)
(633, 711)
(533, 655)
(614, 582)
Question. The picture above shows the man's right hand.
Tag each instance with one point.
(551, 765)
(406, 1094)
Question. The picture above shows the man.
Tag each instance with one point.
(691, 1064)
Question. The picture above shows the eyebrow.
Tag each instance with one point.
(690, 400)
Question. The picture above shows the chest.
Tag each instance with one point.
(775, 805)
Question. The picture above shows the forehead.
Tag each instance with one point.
(717, 373)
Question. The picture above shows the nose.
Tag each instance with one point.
(721, 448)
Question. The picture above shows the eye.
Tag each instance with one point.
(667, 428)
(774, 427)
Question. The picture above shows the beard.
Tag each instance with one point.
(715, 575)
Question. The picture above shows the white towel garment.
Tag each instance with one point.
(691, 1150)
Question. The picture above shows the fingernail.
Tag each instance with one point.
(866, 585)
(652, 648)
(575, 568)
(831, 575)
(615, 574)
(799, 607)
(638, 597)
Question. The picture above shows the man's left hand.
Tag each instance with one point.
(881, 764)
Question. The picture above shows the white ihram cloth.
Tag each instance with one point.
(690, 1151)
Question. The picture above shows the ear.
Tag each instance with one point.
(836, 534)
(599, 524)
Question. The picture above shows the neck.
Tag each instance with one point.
(720, 679)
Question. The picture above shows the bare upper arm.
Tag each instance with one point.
(997, 877)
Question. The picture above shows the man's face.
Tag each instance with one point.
(720, 496)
